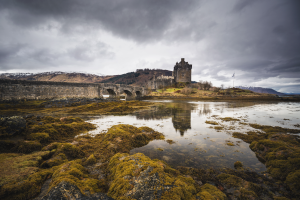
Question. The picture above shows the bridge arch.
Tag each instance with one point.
(138, 94)
(111, 92)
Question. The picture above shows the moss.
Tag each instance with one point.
(74, 173)
(90, 160)
(250, 136)
(159, 149)
(280, 198)
(120, 107)
(122, 166)
(230, 180)
(218, 127)
(56, 129)
(26, 189)
(292, 180)
(27, 146)
(70, 150)
(247, 194)
(210, 192)
(274, 129)
(227, 119)
(170, 141)
(230, 144)
(41, 137)
(55, 161)
(238, 164)
(6, 146)
(17, 167)
(211, 122)
(119, 138)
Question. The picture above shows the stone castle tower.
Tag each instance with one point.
(182, 72)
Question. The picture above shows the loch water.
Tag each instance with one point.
(198, 144)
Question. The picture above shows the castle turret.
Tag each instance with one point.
(182, 72)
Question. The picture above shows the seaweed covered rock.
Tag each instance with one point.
(74, 173)
(238, 165)
(27, 146)
(55, 161)
(12, 125)
(61, 153)
(17, 167)
(210, 192)
(118, 139)
(280, 151)
(235, 184)
(26, 189)
(138, 177)
(49, 129)
(65, 191)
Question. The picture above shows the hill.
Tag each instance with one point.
(138, 78)
(56, 77)
(261, 90)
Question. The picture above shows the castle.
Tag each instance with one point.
(182, 73)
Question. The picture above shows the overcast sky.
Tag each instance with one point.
(259, 40)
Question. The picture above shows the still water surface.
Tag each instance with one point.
(198, 144)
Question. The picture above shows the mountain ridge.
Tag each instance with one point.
(261, 90)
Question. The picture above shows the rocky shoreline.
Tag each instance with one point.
(41, 159)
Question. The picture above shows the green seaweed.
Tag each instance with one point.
(210, 192)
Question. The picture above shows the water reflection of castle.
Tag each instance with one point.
(180, 113)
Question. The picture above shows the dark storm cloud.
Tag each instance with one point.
(139, 20)
(8, 51)
(90, 51)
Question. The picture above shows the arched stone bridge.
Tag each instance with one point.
(20, 89)
(115, 90)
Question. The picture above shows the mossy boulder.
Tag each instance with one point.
(118, 139)
(68, 149)
(138, 177)
(65, 191)
(74, 173)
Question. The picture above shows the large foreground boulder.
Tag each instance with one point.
(65, 191)
(138, 177)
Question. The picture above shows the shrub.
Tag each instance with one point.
(186, 91)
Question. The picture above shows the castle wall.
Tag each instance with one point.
(17, 89)
(160, 83)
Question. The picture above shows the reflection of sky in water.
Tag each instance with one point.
(197, 145)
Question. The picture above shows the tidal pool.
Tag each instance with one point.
(198, 144)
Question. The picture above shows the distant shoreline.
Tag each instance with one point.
(267, 98)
